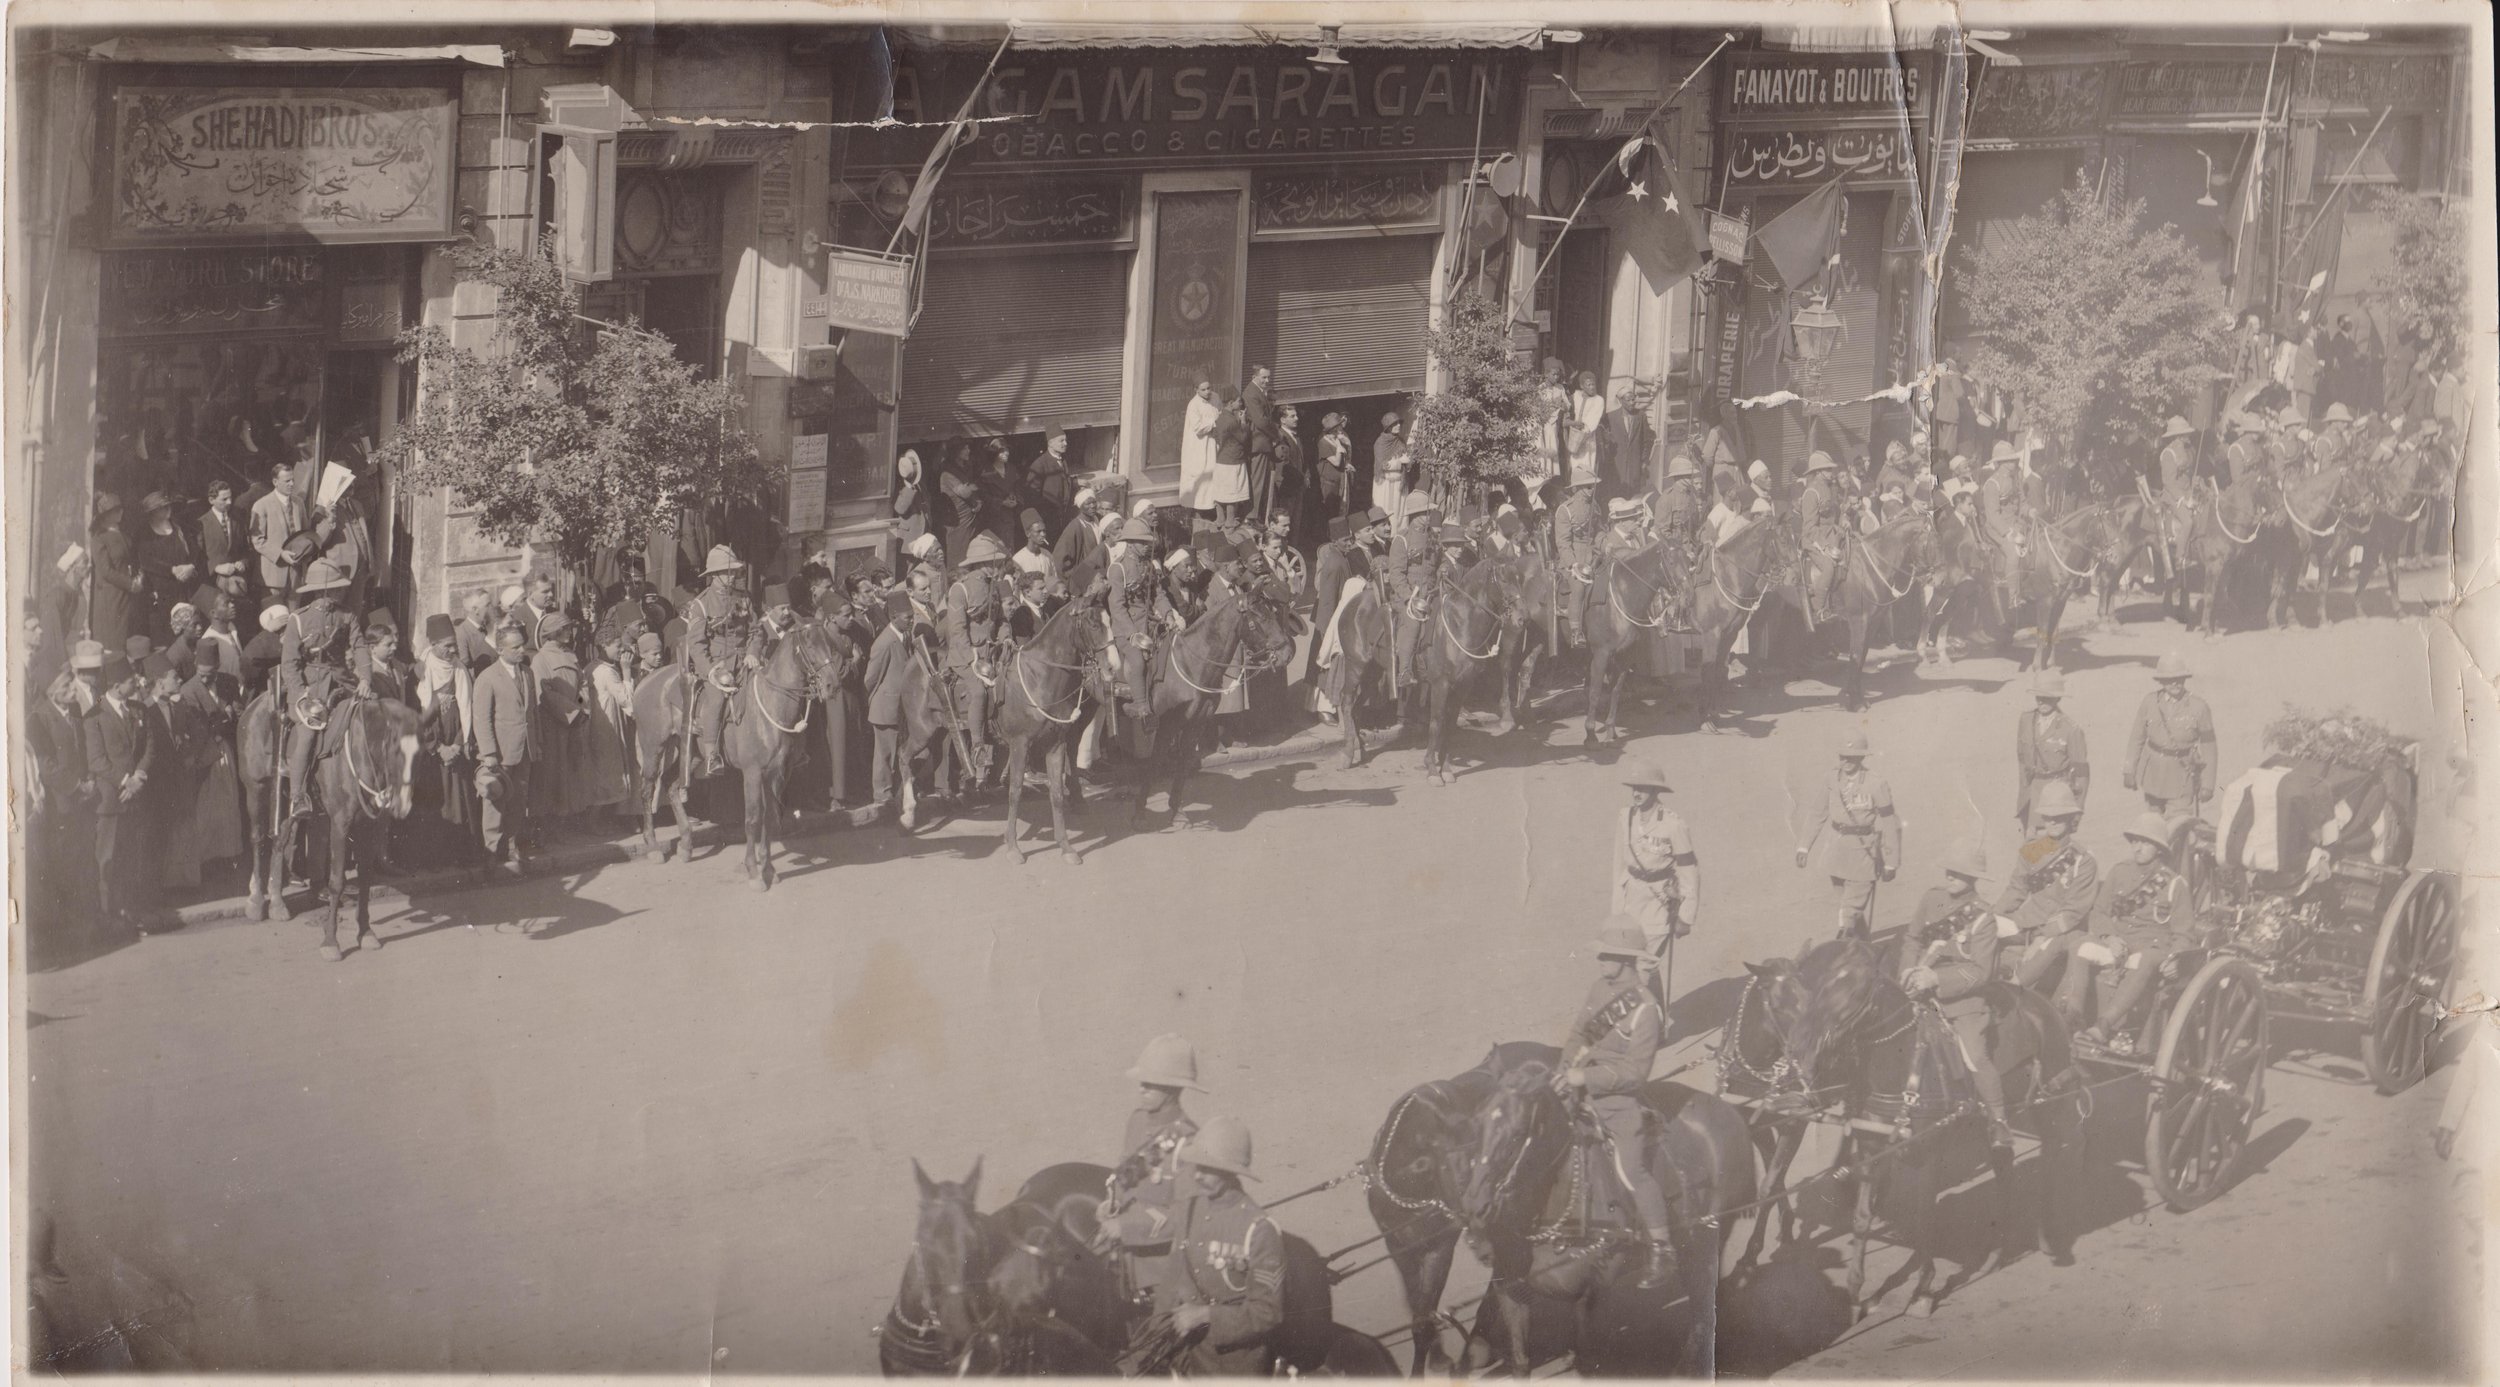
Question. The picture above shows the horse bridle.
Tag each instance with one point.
(378, 800)
(1083, 671)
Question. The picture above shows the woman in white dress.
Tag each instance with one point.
(1198, 449)
(1588, 410)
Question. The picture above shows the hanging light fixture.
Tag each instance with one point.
(1816, 331)
(1327, 55)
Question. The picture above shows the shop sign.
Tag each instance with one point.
(2413, 81)
(970, 214)
(2039, 103)
(868, 291)
(1761, 86)
(1406, 198)
(333, 163)
(369, 313)
(1777, 158)
(2189, 88)
(1727, 237)
(158, 293)
(1227, 105)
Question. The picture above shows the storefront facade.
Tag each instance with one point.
(1129, 219)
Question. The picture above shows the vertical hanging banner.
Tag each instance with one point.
(1197, 311)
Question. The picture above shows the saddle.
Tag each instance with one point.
(1590, 1200)
(2023, 1030)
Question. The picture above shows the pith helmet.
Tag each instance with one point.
(1168, 1060)
(2337, 414)
(2152, 828)
(1854, 744)
(320, 576)
(984, 548)
(1966, 860)
(1682, 466)
(1622, 939)
(2049, 684)
(1223, 1144)
(1819, 461)
(1644, 775)
(1136, 531)
(2004, 451)
(2056, 800)
(2177, 428)
(723, 559)
(1417, 504)
(2171, 667)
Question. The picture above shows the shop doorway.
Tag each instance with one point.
(1579, 302)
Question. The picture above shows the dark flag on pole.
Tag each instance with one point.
(1661, 227)
(2309, 267)
(1803, 239)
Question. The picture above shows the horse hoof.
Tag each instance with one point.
(760, 884)
(370, 941)
(655, 855)
(278, 909)
(1073, 859)
(330, 953)
(1922, 1307)
(260, 908)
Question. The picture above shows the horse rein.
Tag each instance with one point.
(379, 800)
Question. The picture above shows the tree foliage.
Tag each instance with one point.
(559, 433)
(1482, 425)
(2105, 325)
(2427, 285)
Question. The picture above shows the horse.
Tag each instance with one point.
(660, 726)
(2222, 541)
(363, 773)
(1047, 696)
(1877, 570)
(2060, 561)
(801, 673)
(1961, 557)
(1531, 601)
(1742, 571)
(2132, 536)
(1464, 638)
(2314, 506)
(1244, 631)
(1366, 644)
(1833, 1035)
(1477, 1157)
(2382, 505)
(1623, 606)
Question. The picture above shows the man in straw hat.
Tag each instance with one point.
(320, 661)
(1950, 950)
(1137, 1215)
(719, 626)
(2049, 745)
(1857, 835)
(1222, 1288)
(1606, 1061)
(2170, 751)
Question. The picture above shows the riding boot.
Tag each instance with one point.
(299, 761)
(1660, 1268)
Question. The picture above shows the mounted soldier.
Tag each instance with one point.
(719, 628)
(1577, 524)
(2004, 508)
(1136, 1211)
(1606, 1062)
(1822, 529)
(1681, 507)
(1950, 951)
(2051, 895)
(2142, 904)
(1413, 578)
(1141, 612)
(1222, 1292)
(320, 662)
(975, 605)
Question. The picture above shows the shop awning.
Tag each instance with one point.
(1042, 36)
(174, 50)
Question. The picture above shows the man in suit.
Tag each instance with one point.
(534, 610)
(1625, 442)
(225, 543)
(122, 753)
(504, 725)
(474, 636)
(889, 656)
(275, 519)
(1258, 411)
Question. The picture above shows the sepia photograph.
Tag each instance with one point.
(1272, 688)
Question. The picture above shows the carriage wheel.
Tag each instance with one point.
(2417, 945)
(2208, 1083)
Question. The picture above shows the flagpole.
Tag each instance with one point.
(945, 150)
(2342, 183)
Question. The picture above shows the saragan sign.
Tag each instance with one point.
(1200, 105)
(331, 163)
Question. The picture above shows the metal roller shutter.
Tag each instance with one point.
(1016, 345)
(1336, 319)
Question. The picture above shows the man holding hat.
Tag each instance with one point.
(2142, 902)
(1606, 1062)
(1141, 611)
(975, 605)
(1950, 950)
(2170, 752)
(1578, 524)
(719, 627)
(1657, 876)
(1223, 1286)
(1138, 1212)
(1413, 576)
(319, 654)
(2048, 745)
(1858, 836)
(122, 753)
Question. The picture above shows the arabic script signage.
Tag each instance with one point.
(2164, 88)
(972, 214)
(1776, 158)
(332, 163)
(1773, 85)
(1388, 198)
(154, 293)
(2039, 103)
(1177, 106)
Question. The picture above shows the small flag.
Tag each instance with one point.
(1804, 239)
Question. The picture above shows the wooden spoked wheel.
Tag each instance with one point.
(2408, 981)
(2208, 1083)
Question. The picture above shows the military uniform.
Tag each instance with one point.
(1142, 1206)
(720, 629)
(2170, 753)
(1413, 578)
(1227, 1255)
(2142, 907)
(2177, 469)
(1657, 877)
(1578, 522)
(1613, 1042)
(2050, 896)
(1140, 611)
(1954, 937)
(1821, 529)
(971, 627)
(1680, 512)
(2048, 746)
(320, 660)
(1856, 839)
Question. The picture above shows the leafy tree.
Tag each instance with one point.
(2427, 285)
(2105, 325)
(575, 436)
(1482, 425)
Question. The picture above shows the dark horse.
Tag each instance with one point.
(1729, 587)
(1624, 607)
(365, 773)
(1527, 631)
(1834, 1037)
(1244, 631)
(802, 672)
(2059, 559)
(1877, 570)
(1047, 694)
(1463, 638)
(1483, 1156)
(1365, 647)
(982, 1292)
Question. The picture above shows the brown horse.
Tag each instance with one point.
(1464, 638)
(1624, 608)
(1048, 686)
(1480, 1158)
(1961, 557)
(1527, 576)
(2058, 561)
(1244, 632)
(364, 774)
(802, 672)
(1877, 570)
(2313, 505)
(1833, 1036)
(1365, 646)
(2222, 543)
(2382, 505)
(660, 753)
(1735, 578)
